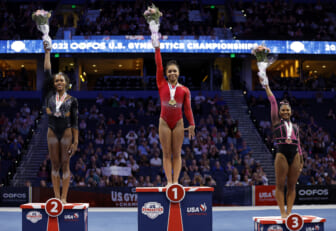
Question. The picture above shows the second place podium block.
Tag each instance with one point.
(54, 216)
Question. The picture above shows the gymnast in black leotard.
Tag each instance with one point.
(62, 111)
(288, 160)
(63, 117)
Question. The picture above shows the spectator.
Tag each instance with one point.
(156, 161)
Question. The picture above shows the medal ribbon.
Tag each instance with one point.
(289, 128)
(59, 101)
(172, 91)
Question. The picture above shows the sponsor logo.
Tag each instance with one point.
(34, 216)
(18, 46)
(314, 228)
(71, 217)
(152, 209)
(197, 210)
(313, 192)
(14, 195)
(122, 199)
(265, 195)
(275, 228)
(297, 46)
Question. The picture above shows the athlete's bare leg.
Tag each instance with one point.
(281, 171)
(178, 136)
(66, 141)
(165, 135)
(292, 177)
(55, 158)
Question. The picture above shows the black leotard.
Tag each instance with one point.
(279, 136)
(68, 109)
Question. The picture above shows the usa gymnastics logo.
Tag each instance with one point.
(197, 210)
(34, 216)
(152, 209)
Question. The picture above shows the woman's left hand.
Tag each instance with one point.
(72, 149)
(191, 131)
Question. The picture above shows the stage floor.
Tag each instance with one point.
(224, 218)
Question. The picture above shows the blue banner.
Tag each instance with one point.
(120, 45)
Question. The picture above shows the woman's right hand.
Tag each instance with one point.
(155, 43)
(45, 46)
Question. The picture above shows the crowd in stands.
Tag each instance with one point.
(283, 20)
(118, 18)
(287, 20)
(316, 120)
(16, 20)
(17, 119)
(122, 132)
(306, 83)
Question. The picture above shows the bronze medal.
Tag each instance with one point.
(172, 102)
(288, 141)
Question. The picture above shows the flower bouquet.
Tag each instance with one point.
(261, 52)
(152, 16)
(41, 18)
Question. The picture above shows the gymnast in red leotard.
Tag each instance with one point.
(171, 128)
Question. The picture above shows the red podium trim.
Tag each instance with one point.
(164, 189)
(66, 206)
(175, 217)
(53, 224)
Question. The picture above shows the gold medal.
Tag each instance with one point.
(172, 102)
(288, 141)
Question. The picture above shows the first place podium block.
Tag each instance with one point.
(54, 216)
(175, 208)
(294, 222)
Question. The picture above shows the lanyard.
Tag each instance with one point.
(59, 101)
(289, 128)
(172, 91)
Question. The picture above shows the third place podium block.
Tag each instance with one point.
(175, 208)
(294, 222)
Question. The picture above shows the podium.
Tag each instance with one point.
(175, 208)
(54, 216)
(294, 222)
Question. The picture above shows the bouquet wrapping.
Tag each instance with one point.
(261, 52)
(152, 16)
(41, 18)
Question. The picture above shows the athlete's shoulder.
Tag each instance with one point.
(184, 87)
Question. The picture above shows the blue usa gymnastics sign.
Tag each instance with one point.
(169, 46)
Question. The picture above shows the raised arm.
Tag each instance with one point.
(274, 105)
(160, 80)
(47, 81)
(47, 63)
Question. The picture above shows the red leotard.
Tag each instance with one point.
(172, 114)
